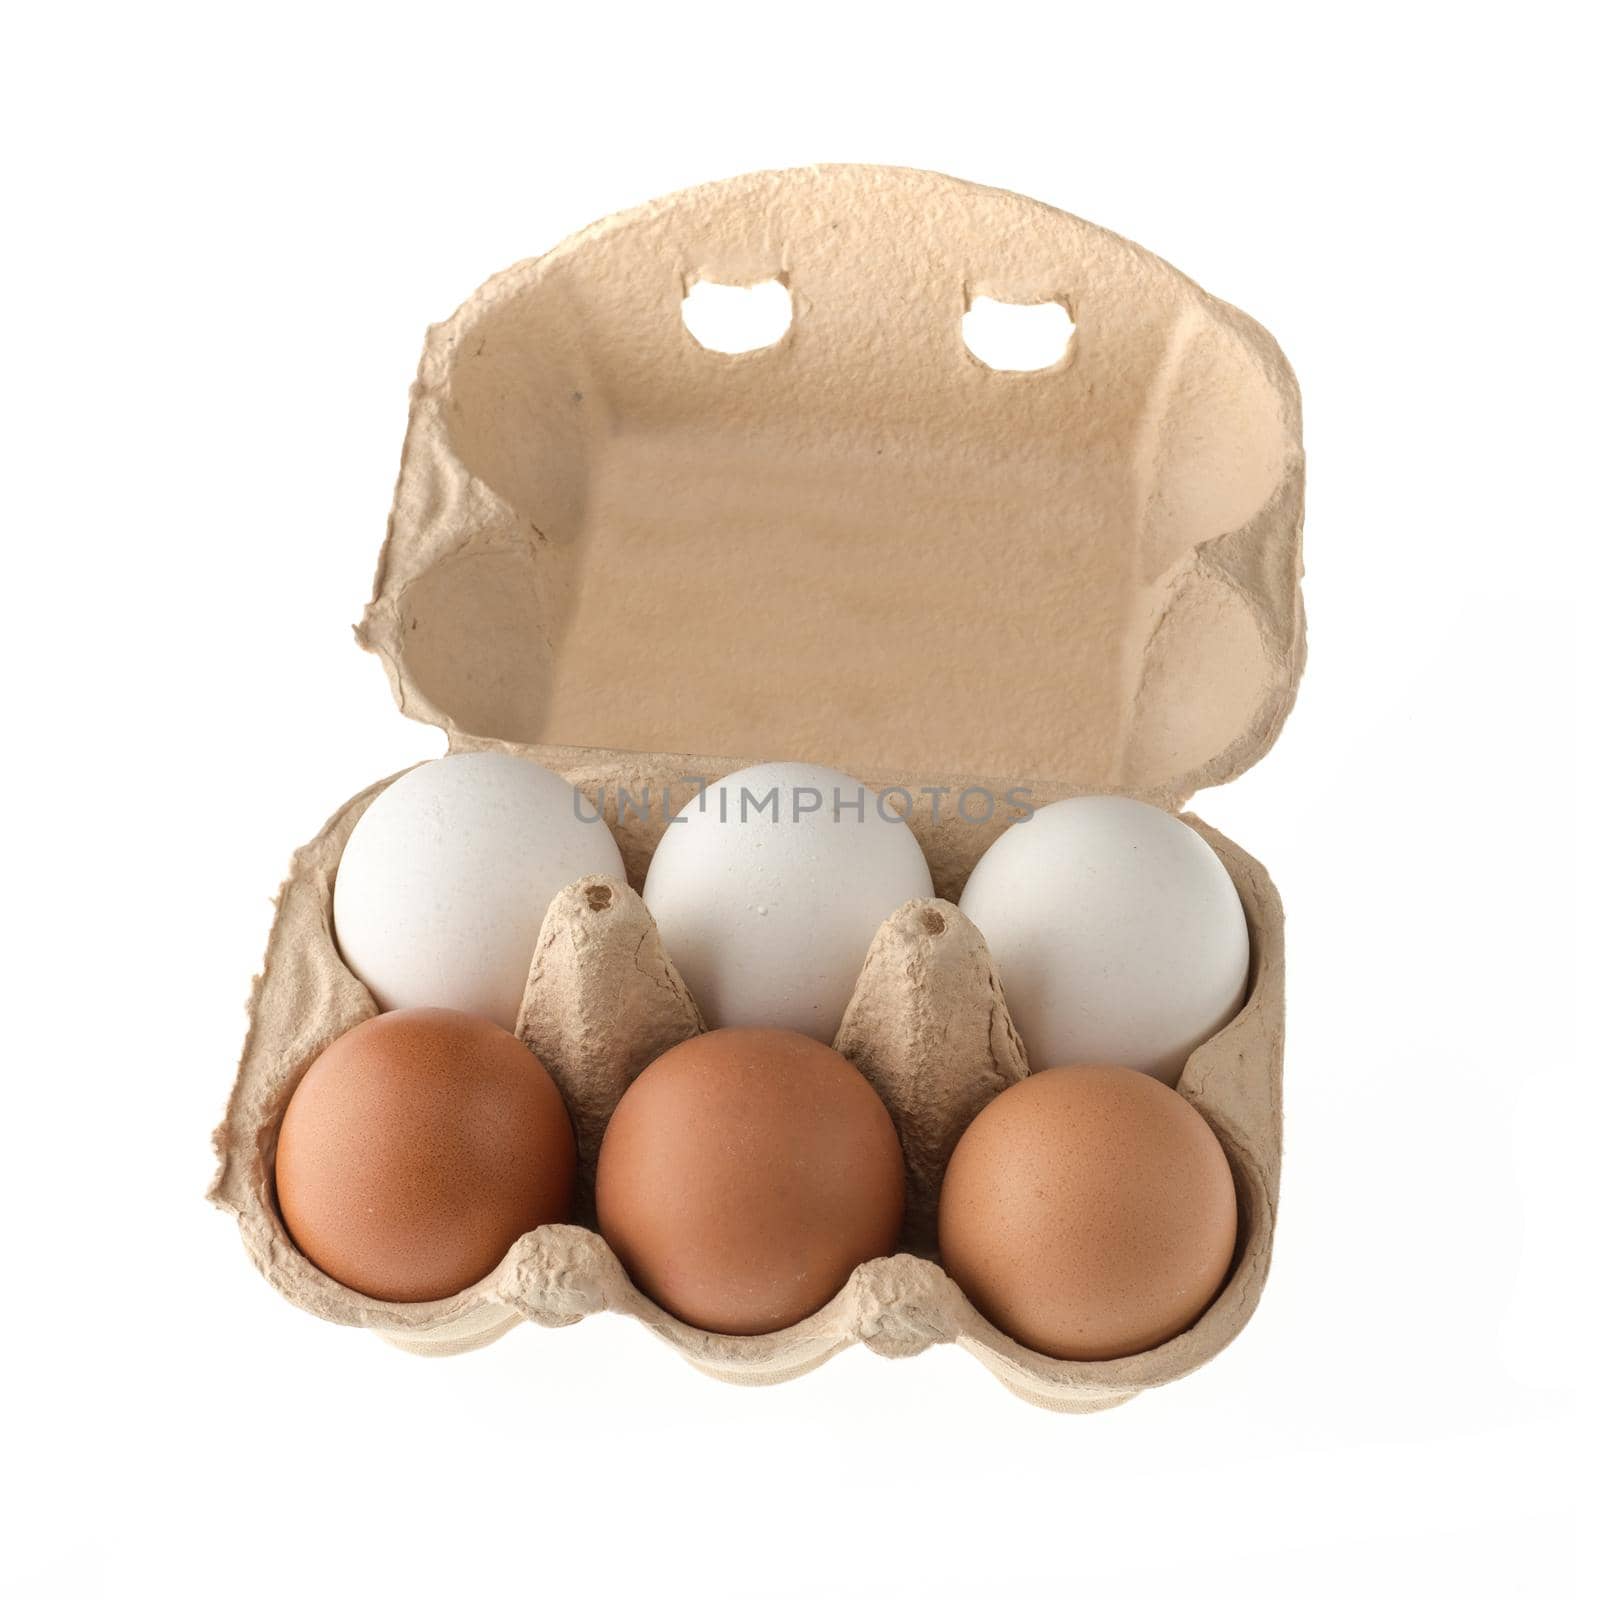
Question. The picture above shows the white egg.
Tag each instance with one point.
(446, 878)
(1118, 935)
(769, 887)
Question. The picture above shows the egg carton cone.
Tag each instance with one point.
(858, 544)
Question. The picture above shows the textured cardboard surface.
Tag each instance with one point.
(858, 546)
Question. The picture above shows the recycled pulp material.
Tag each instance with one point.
(858, 546)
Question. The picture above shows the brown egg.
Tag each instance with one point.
(417, 1148)
(1088, 1212)
(745, 1174)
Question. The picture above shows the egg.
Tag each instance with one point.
(744, 1175)
(1117, 933)
(417, 1149)
(445, 880)
(769, 886)
(1089, 1212)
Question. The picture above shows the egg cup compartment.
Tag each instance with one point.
(857, 546)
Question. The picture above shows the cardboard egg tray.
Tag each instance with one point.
(857, 546)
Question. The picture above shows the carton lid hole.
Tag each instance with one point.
(1017, 338)
(732, 318)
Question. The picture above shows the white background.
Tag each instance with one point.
(229, 227)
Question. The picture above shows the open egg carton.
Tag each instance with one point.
(860, 546)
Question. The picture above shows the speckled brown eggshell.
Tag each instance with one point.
(744, 1175)
(417, 1149)
(1089, 1212)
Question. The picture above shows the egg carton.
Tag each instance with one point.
(859, 546)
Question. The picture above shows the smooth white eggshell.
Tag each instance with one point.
(445, 880)
(769, 917)
(1117, 933)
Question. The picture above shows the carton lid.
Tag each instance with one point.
(858, 545)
